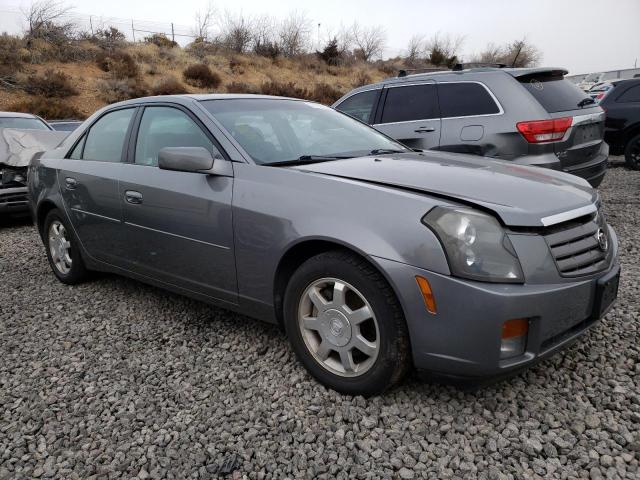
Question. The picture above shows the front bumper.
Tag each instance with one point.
(14, 201)
(462, 340)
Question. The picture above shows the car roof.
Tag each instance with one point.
(200, 97)
(452, 74)
(17, 115)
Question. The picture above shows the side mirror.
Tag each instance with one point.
(185, 159)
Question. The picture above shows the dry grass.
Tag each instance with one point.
(47, 108)
(52, 83)
(141, 65)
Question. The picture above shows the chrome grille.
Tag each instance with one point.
(575, 246)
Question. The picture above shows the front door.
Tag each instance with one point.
(88, 181)
(411, 115)
(178, 224)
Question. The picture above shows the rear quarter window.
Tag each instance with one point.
(553, 92)
(630, 95)
(465, 99)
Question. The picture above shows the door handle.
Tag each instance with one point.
(132, 196)
(71, 183)
(424, 129)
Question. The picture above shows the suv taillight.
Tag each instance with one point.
(543, 131)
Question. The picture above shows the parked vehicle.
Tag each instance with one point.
(373, 257)
(594, 78)
(65, 125)
(598, 91)
(622, 127)
(13, 175)
(531, 116)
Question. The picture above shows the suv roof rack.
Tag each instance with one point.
(462, 66)
(405, 71)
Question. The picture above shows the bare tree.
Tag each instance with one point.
(294, 34)
(415, 49)
(369, 41)
(48, 20)
(444, 49)
(263, 32)
(518, 53)
(236, 32)
(204, 21)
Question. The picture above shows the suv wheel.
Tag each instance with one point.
(62, 250)
(632, 153)
(346, 325)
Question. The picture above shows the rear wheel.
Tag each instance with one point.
(62, 249)
(632, 153)
(346, 325)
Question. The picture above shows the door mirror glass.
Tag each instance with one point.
(185, 159)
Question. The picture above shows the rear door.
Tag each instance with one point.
(179, 225)
(582, 147)
(88, 180)
(410, 114)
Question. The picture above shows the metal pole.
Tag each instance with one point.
(91, 25)
(133, 31)
(173, 36)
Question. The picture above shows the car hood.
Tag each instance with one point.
(519, 195)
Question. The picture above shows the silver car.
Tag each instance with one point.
(374, 258)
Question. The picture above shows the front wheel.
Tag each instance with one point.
(63, 250)
(632, 153)
(346, 325)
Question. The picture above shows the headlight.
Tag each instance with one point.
(476, 245)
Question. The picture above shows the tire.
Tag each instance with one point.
(66, 262)
(370, 316)
(632, 153)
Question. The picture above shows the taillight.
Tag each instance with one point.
(542, 131)
(599, 96)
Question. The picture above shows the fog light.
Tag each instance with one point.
(514, 337)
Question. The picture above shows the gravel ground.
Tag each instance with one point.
(115, 379)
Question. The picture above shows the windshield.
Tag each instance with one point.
(273, 131)
(21, 122)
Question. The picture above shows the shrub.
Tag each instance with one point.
(48, 108)
(200, 75)
(267, 49)
(331, 54)
(109, 38)
(51, 84)
(168, 86)
(289, 89)
(10, 57)
(362, 78)
(116, 90)
(242, 87)
(325, 93)
(236, 64)
(161, 40)
(119, 63)
(200, 48)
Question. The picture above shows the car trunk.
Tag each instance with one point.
(581, 146)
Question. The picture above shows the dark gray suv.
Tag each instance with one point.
(532, 116)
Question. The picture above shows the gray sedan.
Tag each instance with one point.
(373, 257)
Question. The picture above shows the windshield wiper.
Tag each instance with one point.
(586, 101)
(306, 159)
(381, 151)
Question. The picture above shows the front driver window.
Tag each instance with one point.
(167, 127)
(105, 139)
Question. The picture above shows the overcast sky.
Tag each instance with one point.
(581, 35)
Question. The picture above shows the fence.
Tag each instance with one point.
(12, 20)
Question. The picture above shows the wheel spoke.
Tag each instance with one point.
(346, 358)
(339, 290)
(364, 345)
(323, 350)
(317, 299)
(358, 316)
(311, 323)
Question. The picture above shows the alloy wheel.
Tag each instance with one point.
(339, 327)
(59, 247)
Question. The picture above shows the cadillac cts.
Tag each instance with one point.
(373, 257)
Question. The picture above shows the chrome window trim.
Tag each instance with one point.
(569, 215)
(433, 82)
(344, 99)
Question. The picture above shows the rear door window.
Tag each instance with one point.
(553, 92)
(106, 137)
(465, 99)
(360, 105)
(630, 95)
(410, 103)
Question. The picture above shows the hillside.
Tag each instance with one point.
(76, 78)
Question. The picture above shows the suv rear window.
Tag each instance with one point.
(464, 99)
(553, 92)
